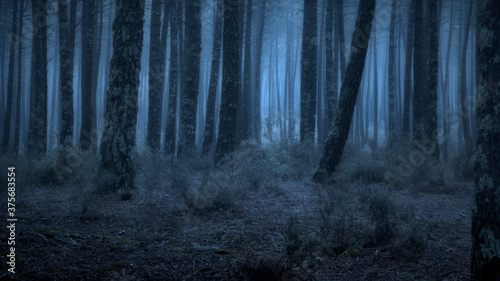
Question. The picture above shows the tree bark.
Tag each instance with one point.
(116, 170)
(37, 139)
(86, 133)
(10, 80)
(486, 210)
(156, 75)
(257, 130)
(309, 72)
(392, 70)
(66, 41)
(189, 99)
(408, 66)
(431, 101)
(331, 67)
(231, 79)
(173, 78)
(208, 140)
(348, 92)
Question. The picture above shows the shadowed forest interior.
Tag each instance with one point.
(250, 139)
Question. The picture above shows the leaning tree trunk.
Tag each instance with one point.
(116, 170)
(486, 211)
(348, 92)
(37, 139)
(231, 75)
(208, 140)
(67, 40)
(408, 64)
(309, 71)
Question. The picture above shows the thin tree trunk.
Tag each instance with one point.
(258, 87)
(408, 68)
(231, 79)
(86, 132)
(349, 91)
(17, 131)
(38, 116)
(156, 75)
(208, 140)
(189, 99)
(431, 101)
(173, 77)
(10, 80)
(309, 72)
(247, 75)
(392, 70)
(67, 41)
(464, 103)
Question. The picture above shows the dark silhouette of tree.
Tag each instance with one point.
(37, 138)
(408, 77)
(231, 75)
(209, 137)
(156, 76)
(308, 71)
(348, 92)
(431, 99)
(392, 70)
(116, 170)
(486, 210)
(10, 79)
(173, 84)
(86, 132)
(189, 98)
(67, 42)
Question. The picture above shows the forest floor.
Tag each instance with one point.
(265, 229)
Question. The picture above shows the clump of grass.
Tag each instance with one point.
(299, 247)
(338, 227)
(381, 211)
(411, 244)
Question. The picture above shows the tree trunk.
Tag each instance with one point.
(66, 41)
(408, 67)
(173, 77)
(247, 75)
(464, 107)
(86, 73)
(231, 75)
(375, 89)
(348, 92)
(257, 87)
(208, 140)
(116, 170)
(431, 101)
(20, 46)
(10, 80)
(339, 28)
(156, 76)
(331, 67)
(309, 72)
(189, 99)
(486, 210)
(38, 116)
(392, 70)
(419, 74)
